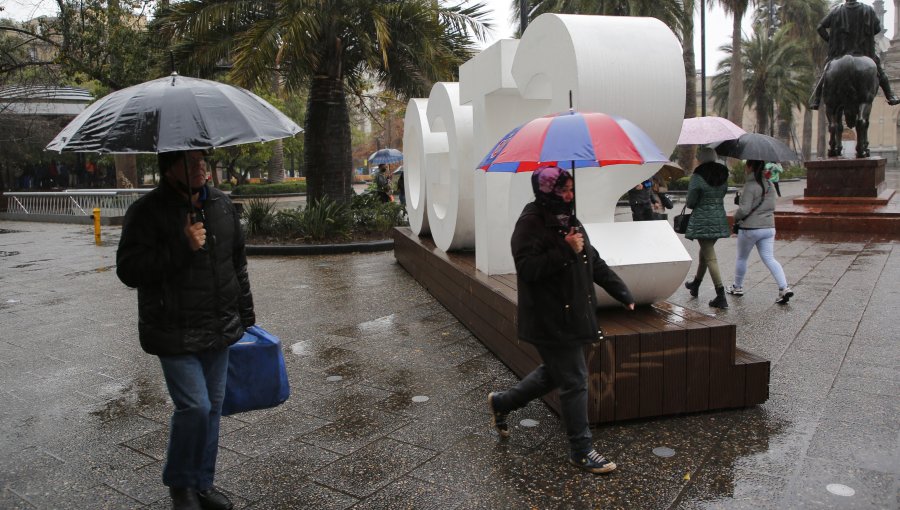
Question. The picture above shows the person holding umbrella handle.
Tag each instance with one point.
(556, 268)
(194, 301)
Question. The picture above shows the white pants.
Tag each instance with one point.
(764, 240)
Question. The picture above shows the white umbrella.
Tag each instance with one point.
(707, 130)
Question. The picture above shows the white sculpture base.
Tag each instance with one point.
(647, 255)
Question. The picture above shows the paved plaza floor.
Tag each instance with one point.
(388, 407)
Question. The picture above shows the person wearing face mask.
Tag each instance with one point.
(556, 267)
(183, 249)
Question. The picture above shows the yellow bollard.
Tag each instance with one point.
(96, 217)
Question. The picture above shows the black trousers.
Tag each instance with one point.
(564, 368)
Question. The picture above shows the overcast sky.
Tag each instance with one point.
(718, 25)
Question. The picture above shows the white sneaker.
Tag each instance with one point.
(784, 295)
(735, 291)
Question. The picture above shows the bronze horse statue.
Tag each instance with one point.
(849, 87)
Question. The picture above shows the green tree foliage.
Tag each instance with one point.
(328, 47)
(670, 12)
(89, 40)
(777, 76)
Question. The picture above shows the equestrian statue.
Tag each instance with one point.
(852, 74)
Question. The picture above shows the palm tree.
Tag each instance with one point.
(737, 9)
(777, 76)
(330, 48)
(669, 12)
(804, 16)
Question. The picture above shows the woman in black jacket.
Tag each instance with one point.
(194, 301)
(556, 268)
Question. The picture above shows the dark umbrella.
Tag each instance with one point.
(175, 113)
(386, 156)
(757, 146)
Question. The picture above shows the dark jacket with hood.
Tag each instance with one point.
(556, 301)
(188, 301)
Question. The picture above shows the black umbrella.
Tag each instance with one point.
(757, 146)
(175, 113)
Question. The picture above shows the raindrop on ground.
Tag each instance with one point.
(839, 489)
(662, 451)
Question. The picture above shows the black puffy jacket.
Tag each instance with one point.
(556, 301)
(188, 301)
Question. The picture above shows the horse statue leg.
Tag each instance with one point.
(835, 130)
(862, 130)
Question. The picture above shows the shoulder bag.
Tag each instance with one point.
(680, 223)
(736, 226)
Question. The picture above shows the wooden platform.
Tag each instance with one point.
(655, 361)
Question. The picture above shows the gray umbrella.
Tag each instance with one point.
(757, 146)
(173, 114)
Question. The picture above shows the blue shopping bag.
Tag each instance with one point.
(257, 377)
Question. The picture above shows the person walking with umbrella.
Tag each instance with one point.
(706, 193)
(382, 185)
(556, 267)
(756, 220)
(194, 301)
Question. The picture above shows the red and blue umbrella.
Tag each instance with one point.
(572, 139)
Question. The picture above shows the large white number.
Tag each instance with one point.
(624, 66)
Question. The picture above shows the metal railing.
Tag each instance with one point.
(76, 202)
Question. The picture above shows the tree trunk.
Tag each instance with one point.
(736, 85)
(126, 170)
(276, 164)
(686, 152)
(806, 143)
(326, 141)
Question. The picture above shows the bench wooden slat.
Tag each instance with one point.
(657, 360)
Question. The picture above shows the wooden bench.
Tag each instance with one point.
(658, 360)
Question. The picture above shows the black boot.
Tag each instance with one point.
(720, 301)
(885, 83)
(693, 286)
(184, 499)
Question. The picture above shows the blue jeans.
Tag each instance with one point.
(563, 368)
(764, 240)
(196, 384)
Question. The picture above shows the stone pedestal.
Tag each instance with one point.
(843, 195)
(840, 177)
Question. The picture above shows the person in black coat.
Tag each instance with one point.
(556, 267)
(188, 264)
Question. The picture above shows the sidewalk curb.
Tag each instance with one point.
(320, 249)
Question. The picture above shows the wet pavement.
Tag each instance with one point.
(388, 407)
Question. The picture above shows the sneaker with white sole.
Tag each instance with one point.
(784, 295)
(592, 462)
(734, 291)
(498, 420)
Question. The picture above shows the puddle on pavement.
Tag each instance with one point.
(8, 253)
(372, 327)
(102, 269)
(138, 395)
